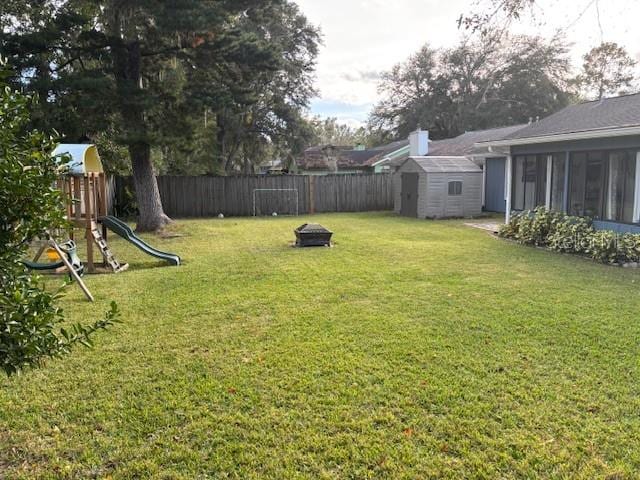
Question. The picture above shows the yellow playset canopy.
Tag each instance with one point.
(84, 158)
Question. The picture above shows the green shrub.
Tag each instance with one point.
(603, 247)
(30, 322)
(629, 247)
(510, 228)
(531, 227)
(570, 234)
(563, 233)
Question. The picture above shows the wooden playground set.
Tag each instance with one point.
(84, 185)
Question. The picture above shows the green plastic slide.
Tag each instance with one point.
(123, 230)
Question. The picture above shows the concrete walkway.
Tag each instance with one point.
(489, 225)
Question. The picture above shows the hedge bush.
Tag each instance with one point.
(32, 326)
(567, 234)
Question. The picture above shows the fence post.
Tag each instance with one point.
(312, 194)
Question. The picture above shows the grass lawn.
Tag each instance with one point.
(412, 349)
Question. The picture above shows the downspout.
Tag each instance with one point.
(565, 198)
(636, 203)
(484, 184)
(547, 202)
(508, 182)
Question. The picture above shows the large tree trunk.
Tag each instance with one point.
(152, 216)
(127, 63)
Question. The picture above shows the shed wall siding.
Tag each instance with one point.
(472, 195)
(434, 205)
(408, 167)
(433, 192)
(438, 203)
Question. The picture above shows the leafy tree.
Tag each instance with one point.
(143, 70)
(607, 69)
(329, 131)
(29, 317)
(483, 84)
(493, 14)
(268, 120)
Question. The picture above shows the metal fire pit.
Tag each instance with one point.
(313, 235)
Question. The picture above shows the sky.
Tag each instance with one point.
(363, 38)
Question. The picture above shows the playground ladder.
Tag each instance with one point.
(104, 249)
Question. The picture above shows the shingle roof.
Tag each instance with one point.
(315, 158)
(623, 111)
(446, 164)
(462, 144)
(465, 144)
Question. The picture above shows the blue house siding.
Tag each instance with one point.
(616, 227)
(495, 185)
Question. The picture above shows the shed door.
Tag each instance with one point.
(494, 185)
(409, 206)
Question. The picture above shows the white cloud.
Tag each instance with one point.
(363, 38)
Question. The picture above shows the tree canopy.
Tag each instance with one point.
(217, 82)
(477, 84)
(607, 69)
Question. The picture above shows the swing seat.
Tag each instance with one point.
(42, 266)
(70, 249)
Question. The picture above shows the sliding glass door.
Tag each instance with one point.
(529, 182)
(602, 185)
(621, 186)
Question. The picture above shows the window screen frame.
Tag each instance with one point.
(457, 188)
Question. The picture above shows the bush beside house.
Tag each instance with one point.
(576, 235)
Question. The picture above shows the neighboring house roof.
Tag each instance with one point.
(347, 157)
(465, 144)
(446, 164)
(609, 116)
(461, 145)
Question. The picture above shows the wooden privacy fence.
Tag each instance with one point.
(264, 195)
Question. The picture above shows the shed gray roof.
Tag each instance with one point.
(623, 111)
(446, 164)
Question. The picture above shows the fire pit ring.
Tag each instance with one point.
(313, 235)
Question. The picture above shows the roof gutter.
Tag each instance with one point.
(392, 155)
(564, 137)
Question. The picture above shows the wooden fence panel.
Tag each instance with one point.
(234, 196)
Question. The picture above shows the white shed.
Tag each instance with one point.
(438, 187)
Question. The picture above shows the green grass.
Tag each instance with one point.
(412, 349)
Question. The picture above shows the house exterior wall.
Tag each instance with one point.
(616, 227)
(494, 184)
(382, 168)
(566, 149)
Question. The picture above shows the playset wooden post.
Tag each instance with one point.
(86, 204)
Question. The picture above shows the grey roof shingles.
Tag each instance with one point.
(616, 112)
(464, 144)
